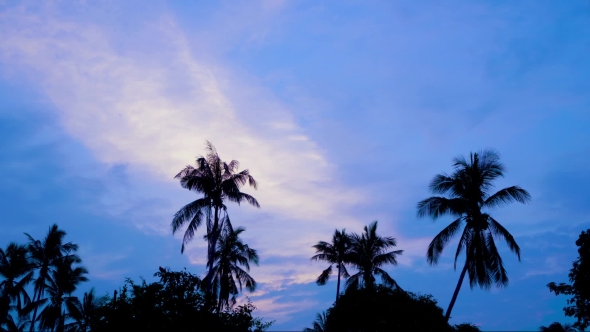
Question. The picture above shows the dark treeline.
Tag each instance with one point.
(51, 271)
(40, 277)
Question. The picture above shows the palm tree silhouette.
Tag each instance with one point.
(368, 254)
(333, 253)
(319, 325)
(468, 190)
(218, 182)
(83, 312)
(17, 272)
(43, 255)
(227, 277)
(558, 327)
(63, 281)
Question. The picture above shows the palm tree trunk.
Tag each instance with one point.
(338, 286)
(212, 238)
(448, 314)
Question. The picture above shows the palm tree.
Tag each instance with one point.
(558, 327)
(468, 190)
(218, 182)
(43, 255)
(17, 272)
(333, 253)
(319, 325)
(83, 312)
(16, 326)
(227, 277)
(63, 281)
(368, 254)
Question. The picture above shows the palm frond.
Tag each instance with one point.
(506, 196)
(436, 247)
(436, 207)
(497, 229)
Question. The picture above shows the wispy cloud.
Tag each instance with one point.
(126, 107)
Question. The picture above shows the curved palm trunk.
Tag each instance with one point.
(452, 304)
(338, 286)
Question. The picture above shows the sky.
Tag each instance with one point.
(343, 111)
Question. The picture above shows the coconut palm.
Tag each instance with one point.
(17, 272)
(19, 325)
(218, 181)
(333, 253)
(558, 327)
(63, 281)
(469, 195)
(319, 325)
(83, 312)
(43, 255)
(368, 254)
(227, 277)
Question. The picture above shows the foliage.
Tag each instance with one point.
(218, 181)
(468, 191)
(558, 327)
(579, 289)
(175, 303)
(385, 309)
(466, 327)
(334, 253)
(319, 325)
(368, 254)
(227, 275)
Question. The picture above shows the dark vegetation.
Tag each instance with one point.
(370, 300)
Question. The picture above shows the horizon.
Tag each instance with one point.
(342, 112)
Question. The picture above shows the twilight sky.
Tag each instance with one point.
(342, 110)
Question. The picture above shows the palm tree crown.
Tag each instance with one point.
(63, 281)
(333, 253)
(468, 193)
(44, 255)
(368, 253)
(227, 275)
(16, 270)
(218, 181)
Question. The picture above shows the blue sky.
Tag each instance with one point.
(342, 110)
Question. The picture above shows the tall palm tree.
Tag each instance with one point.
(368, 253)
(44, 255)
(227, 275)
(319, 325)
(218, 181)
(558, 327)
(469, 195)
(333, 253)
(63, 281)
(17, 272)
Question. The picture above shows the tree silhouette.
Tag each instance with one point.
(63, 281)
(368, 253)
(468, 190)
(218, 182)
(83, 312)
(333, 253)
(17, 273)
(319, 325)
(579, 276)
(45, 254)
(558, 327)
(227, 275)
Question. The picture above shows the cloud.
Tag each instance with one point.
(152, 113)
